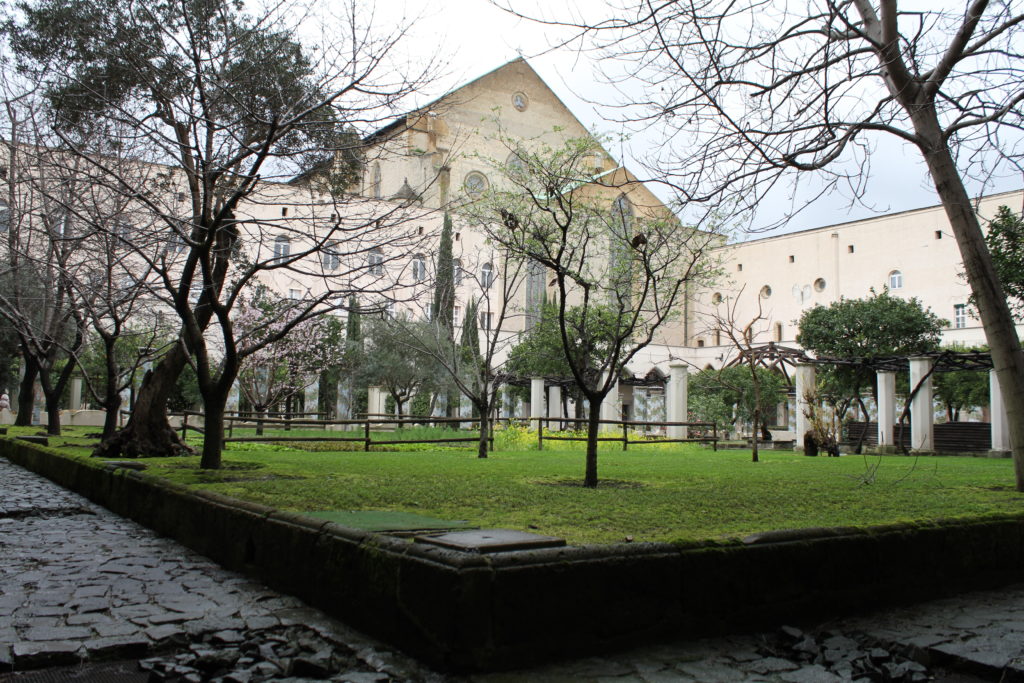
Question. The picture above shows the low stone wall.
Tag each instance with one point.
(466, 611)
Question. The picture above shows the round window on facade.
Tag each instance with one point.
(716, 298)
(766, 292)
(819, 285)
(520, 101)
(475, 183)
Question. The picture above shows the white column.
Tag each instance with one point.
(311, 404)
(922, 407)
(610, 407)
(554, 407)
(1000, 425)
(805, 384)
(886, 409)
(76, 393)
(508, 404)
(676, 398)
(343, 406)
(231, 405)
(537, 401)
(375, 403)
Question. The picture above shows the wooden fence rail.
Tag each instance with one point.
(626, 425)
(367, 421)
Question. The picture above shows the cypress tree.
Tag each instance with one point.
(444, 301)
(444, 287)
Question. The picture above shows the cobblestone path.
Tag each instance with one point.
(80, 586)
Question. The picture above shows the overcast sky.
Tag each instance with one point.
(476, 37)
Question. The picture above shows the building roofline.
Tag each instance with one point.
(845, 224)
(383, 131)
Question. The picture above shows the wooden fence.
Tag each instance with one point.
(372, 422)
(626, 425)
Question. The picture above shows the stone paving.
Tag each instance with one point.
(79, 584)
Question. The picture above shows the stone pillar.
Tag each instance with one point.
(554, 407)
(126, 397)
(231, 406)
(676, 398)
(922, 407)
(610, 407)
(1000, 425)
(343, 406)
(76, 393)
(312, 399)
(508, 402)
(805, 383)
(537, 401)
(376, 400)
(886, 410)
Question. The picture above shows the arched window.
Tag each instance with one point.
(282, 248)
(895, 280)
(375, 259)
(375, 181)
(536, 276)
(623, 210)
(514, 164)
(419, 268)
(486, 275)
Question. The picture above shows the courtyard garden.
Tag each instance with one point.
(664, 492)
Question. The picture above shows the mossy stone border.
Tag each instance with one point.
(468, 612)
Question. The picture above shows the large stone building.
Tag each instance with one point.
(912, 253)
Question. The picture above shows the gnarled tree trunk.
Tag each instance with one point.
(148, 432)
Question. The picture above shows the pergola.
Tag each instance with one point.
(921, 368)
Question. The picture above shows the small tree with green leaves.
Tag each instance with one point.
(624, 270)
(876, 326)
(1005, 240)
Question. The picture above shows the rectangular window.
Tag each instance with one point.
(960, 316)
(485, 320)
(294, 294)
(282, 248)
(456, 313)
(849, 248)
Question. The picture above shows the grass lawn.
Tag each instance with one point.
(663, 493)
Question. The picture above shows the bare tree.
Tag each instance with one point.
(221, 102)
(619, 270)
(743, 337)
(40, 257)
(752, 91)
